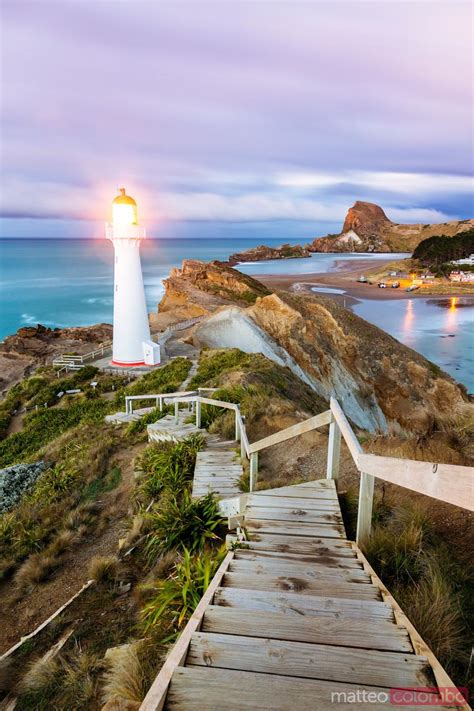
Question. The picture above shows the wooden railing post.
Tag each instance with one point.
(237, 424)
(253, 470)
(198, 414)
(161, 404)
(364, 515)
(243, 453)
(334, 449)
(176, 411)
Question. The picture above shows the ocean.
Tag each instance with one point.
(68, 282)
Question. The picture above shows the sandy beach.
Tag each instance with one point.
(345, 278)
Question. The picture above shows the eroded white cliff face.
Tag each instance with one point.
(233, 327)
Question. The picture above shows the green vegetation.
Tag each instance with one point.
(213, 363)
(42, 426)
(168, 465)
(435, 252)
(173, 600)
(167, 379)
(58, 500)
(182, 522)
(153, 416)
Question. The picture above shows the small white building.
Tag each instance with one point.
(468, 261)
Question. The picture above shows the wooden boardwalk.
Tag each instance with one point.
(292, 617)
(217, 470)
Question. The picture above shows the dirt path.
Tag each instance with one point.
(19, 618)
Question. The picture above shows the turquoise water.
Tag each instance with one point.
(69, 283)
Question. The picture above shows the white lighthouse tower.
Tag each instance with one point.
(132, 345)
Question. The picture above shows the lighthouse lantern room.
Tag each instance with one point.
(132, 344)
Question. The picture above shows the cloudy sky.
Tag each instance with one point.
(234, 111)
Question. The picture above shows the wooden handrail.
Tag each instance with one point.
(289, 432)
(346, 430)
(450, 483)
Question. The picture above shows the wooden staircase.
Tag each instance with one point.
(292, 618)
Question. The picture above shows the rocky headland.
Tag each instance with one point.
(366, 228)
(262, 253)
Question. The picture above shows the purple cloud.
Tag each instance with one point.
(201, 108)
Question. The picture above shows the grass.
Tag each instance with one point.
(80, 466)
(104, 570)
(167, 465)
(125, 678)
(173, 600)
(182, 522)
(102, 484)
(40, 427)
(411, 557)
(166, 379)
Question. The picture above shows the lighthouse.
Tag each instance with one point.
(132, 345)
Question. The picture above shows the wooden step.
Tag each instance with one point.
(299, 544)
(326, 530)
(303, 570)
(324, 559)
(199, 689)
(292, 502)
(302, 584)
(314, 661)
(344, 631)
(296, 514)
(303, 605)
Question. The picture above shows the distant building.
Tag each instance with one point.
(463, 277)
(468, 261)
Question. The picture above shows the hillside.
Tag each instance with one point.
(367, 228)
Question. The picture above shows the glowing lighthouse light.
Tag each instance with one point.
(132, 345)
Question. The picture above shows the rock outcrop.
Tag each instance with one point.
(198, 289)
(367, 229)
(262, 253)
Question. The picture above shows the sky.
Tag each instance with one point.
(258, 112)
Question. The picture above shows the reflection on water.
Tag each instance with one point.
(440, 329)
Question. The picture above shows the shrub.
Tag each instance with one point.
(174, 599)
(182, 522)
(16, 480)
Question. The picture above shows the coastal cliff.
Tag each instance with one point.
(328, 347)
(367, 228)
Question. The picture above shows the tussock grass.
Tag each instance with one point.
(41, 675)
(182, 522)
(104, 570)
(35, 569)
(433, 588)
(125, 677)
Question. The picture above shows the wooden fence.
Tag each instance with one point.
(449, 483)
